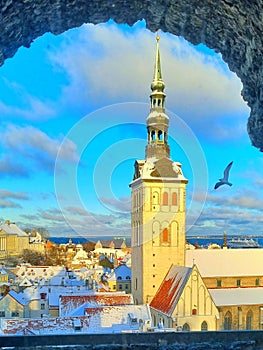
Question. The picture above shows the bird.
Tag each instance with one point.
(224, 180)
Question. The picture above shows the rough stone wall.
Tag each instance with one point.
(232, 27)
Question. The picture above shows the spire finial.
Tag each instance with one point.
(157, 36)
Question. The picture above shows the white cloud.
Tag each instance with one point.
(34, 148)
(107, 65)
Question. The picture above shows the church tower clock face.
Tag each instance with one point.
(158, 201)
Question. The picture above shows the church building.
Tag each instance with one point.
(158, 202)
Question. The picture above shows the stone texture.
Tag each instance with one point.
(232, 27)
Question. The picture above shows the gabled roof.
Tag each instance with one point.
(171, 289)
(19, 297)
(12, 229)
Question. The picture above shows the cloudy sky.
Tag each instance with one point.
(73, 110)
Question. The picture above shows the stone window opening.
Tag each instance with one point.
(165, 198)
(160, 135)
(228, 321)
(204, 326)
(174, 198)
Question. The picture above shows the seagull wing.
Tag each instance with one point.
(226, 171)
(218, 184)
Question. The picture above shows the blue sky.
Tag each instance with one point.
(73, 110)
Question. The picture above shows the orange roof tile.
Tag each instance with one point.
(171, 289)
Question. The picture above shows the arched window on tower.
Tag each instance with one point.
(174, 198)
(160, 135)
(153, 136)
(159, 102)
(165, 235)
(154, 103)
(165, 198)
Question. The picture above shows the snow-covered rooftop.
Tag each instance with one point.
(237, 296)
(12, 228)
(226, 262)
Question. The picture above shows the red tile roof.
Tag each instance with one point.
(171, 289)
(69, 303)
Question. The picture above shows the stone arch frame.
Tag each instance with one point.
(233, 29)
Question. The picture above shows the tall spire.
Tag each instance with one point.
(157, 121)
(157, 77)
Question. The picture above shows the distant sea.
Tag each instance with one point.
(202, 241)
(81, 240)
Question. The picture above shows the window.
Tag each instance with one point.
(114, 286)
(219, 283)
(165, 198)
(249, 320)
(153, 275)
(119, 278)
(120, 286)
(154, 286)
(126, 286)
(128, 277)
(238, 283)
(257, 282)
(228, 321)
(136, 283)
(186, 327)
(165, 235)
(174, 198)
(204, 326)
(2, 313)
(42, 306)
(15, 314)
(153, 265)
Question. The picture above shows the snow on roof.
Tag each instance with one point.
(171, 289)
(226, 262)
(105, 320)
(123, 272)
(117, 318)
(12, 228)
(237, 296)
(19, 297)
(37, 273)
(69, 303)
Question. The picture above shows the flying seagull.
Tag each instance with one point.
(224, 181)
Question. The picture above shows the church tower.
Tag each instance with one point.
(158, 202)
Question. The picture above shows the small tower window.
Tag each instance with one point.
(165, 198)
(165, 235)
(153, 136)
(174, 198)
(160, 135)
(159, 102)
